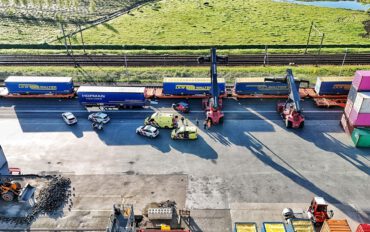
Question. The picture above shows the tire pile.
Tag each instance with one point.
(53, 197)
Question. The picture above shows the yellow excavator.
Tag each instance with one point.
(10, 189)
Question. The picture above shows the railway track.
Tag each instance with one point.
(174, 60)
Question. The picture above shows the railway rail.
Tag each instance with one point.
(175, 60)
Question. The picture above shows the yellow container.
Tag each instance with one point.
(273, 227)
(302, 226)
(245, 227)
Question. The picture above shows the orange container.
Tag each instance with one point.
(335, 226)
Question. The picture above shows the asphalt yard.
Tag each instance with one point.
(247, 169)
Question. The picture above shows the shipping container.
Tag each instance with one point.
(333, 85)
(39, 85)
(335, 226)
(363, 228)
(361, 137)
(362, 81)
(191, 86)
(111, 96)
(273, 227)
(300, 225)
(245, 227)
(360, 113)
(258, 85)
(347, 127)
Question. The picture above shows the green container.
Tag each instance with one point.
(361, 137)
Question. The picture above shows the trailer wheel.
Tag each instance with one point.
(288, 124)
(301, 125)
(8, 196)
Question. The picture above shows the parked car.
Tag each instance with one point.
(181, 107)
(148, 131)
(99, 117)
(69, 118)
(185, 133)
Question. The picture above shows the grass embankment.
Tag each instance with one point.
(194, 22)
(31, 22)
(156, 74)
(229, 22)
(182, 52)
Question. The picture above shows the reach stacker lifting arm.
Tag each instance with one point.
(213, 105)
(291, 110)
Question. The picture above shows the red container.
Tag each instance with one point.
(362, 81)
(363, 228)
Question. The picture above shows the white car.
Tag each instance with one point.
(99, 117)
(69, 118)
(148, 131)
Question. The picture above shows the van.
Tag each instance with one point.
(162, 120)
(185, 132)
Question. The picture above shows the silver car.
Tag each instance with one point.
(147, 131)
(99, 117)
(69, 118)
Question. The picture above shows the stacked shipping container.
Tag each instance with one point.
(356, 118)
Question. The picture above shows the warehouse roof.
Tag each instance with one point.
(30, 79)
(110, 89)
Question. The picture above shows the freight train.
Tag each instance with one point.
(63, 87)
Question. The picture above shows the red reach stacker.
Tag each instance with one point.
(291, 110)
(213, 104)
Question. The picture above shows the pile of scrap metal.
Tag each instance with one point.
(53, 197)
(163, 217)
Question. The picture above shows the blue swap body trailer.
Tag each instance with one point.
(112, 96)
(39, 85)
(191, 86)
(258, 85)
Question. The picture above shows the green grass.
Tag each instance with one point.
(191, 22)
(30, 24)
(156, 74)
(176, 22)
(181, 52)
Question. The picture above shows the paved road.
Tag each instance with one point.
(244, 109)
(252, 158)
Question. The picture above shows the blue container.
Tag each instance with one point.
(258, 85)
(333, 85)
(191, 86)
(39, 85)
(111, 96)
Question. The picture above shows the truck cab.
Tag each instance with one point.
(185, 132)
(318, 211)
(162, 120)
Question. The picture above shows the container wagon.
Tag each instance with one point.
(112, 96)
(38, 86)
(258, 86)
(191, 86)
(333, 85)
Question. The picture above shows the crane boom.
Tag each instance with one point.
(291, 110)
(215, 92)
(294, 96)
